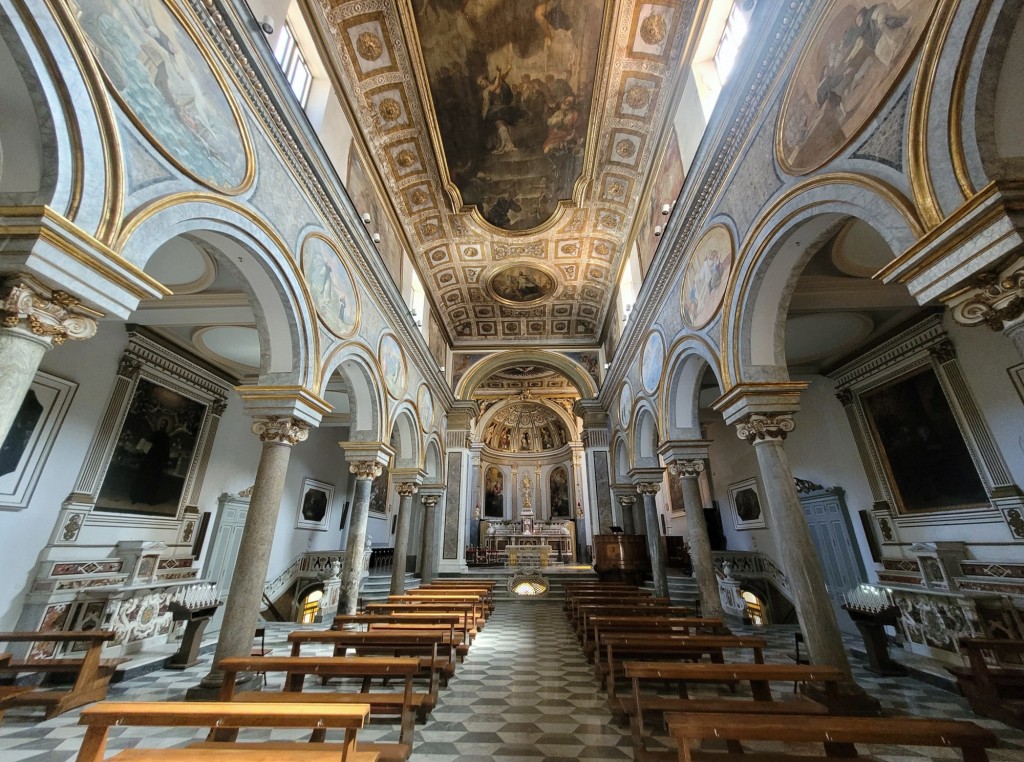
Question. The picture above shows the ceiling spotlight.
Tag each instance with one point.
(657, 230)
(666, 208)
(607, 365)
(365, 217)
(376, 237)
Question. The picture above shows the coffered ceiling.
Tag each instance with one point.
(515, 139)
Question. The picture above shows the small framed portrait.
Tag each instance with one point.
(748, 511)
(314, 505)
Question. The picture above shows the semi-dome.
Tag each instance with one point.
(525, 427)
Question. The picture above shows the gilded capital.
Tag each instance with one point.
(648, 488)
(280, 430)
(365, 469)
(759, 428)
(54, 316)
(407, 489)
(686, 469)
(429, 501)
(993, 300)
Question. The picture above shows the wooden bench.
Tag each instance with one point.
(486, 593)
(656, 624)
(588, 610)
(839, 735)
(435, 649)
(92, 673)
(641, 707)
(410, 621)
(403, 705)
(467, 610)
(993, 690)
(581, 606)
(171, 714)
(455, 599)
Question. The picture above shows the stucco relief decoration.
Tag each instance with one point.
(392, 363)
(625, 404)
(425, 408)
(652, 363)
(706, 277)
(857, 51)
(165, 83)
(330, 285)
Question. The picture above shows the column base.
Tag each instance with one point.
(848, 698)
(209, 687)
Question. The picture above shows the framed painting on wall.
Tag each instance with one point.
(746, 504)
(32, 434)
(314, 505)
(379, 493)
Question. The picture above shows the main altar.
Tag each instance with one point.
(503, 537)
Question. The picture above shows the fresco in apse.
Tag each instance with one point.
(512, 84)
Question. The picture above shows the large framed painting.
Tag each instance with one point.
(494, 493)
(330, 285)
(706, 277)
(856, 53)
(558, 493)
(922, 450)
(746, 504)
(516, 80)
(379, 493)
(35, 427)
(154, 452)
(314, 507)
(168, 87)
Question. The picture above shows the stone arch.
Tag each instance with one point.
(569, 420)
(572, 370)
(285, 316)
(753, 336)
(680, 401)
(405, 437)
(357, 366)
(433, 462)
(644, 437)
(621, 462)
(50, 138)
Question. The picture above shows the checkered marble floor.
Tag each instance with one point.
(523, 693)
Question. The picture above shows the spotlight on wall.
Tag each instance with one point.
(657, 230)
(666, 208)
(376, 237)
(365, 217)
(267, 25)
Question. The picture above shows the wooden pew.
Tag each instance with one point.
(641, 706)
(993, 690)
(617, 648)
(656, 624)
(403, 705)
(435, 649)
(839, 735)
(630, 599)
(588, 610)
(92, 673)
(467, 610)
(485, 594)
(479, 607)
(172, 714)
(410, 621)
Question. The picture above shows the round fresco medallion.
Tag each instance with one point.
(159, 74)
(392, 363)
(521, 284)
(331, 287)
(425, 407)
(706, 277)
(625, 404)
(652, 363)
(857, 51)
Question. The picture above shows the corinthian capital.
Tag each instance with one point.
(994, 300)
(625, 500)
(686, 469)
(407, 489)
(365, 469)
(52, 315)
(764, 427)
(429, 501)
(280, 430)
(648, 488)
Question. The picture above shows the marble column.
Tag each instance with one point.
(32, 320)
(626, 507)
(431, 537)
(405, 492)
(700, 544)
(655, 550)
(352, 572)
(639, 518)
(241, 612)
(814, 610)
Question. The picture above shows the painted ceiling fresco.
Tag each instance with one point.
(516, 138)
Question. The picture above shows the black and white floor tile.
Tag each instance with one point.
(524, 693)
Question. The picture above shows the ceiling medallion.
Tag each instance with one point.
(389, 109)
(369, 46)
(520, 285)
(653, 29)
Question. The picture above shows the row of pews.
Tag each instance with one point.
(650, 658)
(386, 664)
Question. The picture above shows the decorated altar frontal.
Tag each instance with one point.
(559, 536)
